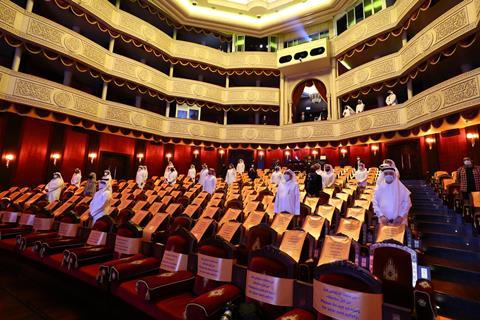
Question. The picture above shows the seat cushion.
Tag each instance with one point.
(87, 273)
(54, 261)
(210, 304)
(173, 308)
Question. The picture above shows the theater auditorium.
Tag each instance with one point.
(240, 159)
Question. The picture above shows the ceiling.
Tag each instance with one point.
(252, 17)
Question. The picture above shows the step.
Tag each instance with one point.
(450, 250)
(437, 219)
(457, 301)
(440, 237)
(465, 272)
(439, 227)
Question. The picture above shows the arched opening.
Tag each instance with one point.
(309, 101)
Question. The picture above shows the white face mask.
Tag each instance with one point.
(467, 163)
(389, 179)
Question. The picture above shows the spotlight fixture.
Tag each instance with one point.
(196, 153)
(344, 152)
(168, 156)
(140, 157)
(374, 149)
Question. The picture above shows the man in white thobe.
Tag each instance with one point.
(140, 177)
(348, 111)
(277, 176)
(210, 182)
(100, 204)
(203, 175)
(192, 173)
(172, 176)
(231, 175)
(361, 175)
(391, 201)
(107, 175)
(391, 99)
(287, 198)
(76, 178)
(145, 174)
(387, 163)
(360, 106)
(54, 187)
(240, 166)
(328, 177)
(168, 169)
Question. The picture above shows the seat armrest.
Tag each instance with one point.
(165, 284)
(209, 305)
(134, 269)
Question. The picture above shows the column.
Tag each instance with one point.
(104, 90)
(167, 110)
(409, 89)
(404, 38)
(17, 57)
(170, 72)
(225, 117)
(257, 117)
(67, 77)
(174, 36)
(138, 96)
(281, 109)
(227, 81)
(334, 105)
(29, 6)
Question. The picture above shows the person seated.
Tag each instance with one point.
(468, 177)
(391, 99)
(348, 111)
(360, 106)
(391, 201)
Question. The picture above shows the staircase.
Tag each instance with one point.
(451, 249)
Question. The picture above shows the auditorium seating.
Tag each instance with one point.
(157, 247)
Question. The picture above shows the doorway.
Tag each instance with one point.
(117, 163)
(407, 158)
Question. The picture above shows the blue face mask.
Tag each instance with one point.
(389, 179)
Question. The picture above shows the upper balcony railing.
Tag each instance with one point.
(452, 96)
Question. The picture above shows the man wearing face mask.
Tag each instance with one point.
(361, 175)
(172, 176)
(391, 202)
(288, 195)
(328, 177)
(100, 204)
(210, 182)
(277, 176)
(468, 176)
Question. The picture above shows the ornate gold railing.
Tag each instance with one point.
(454, 95)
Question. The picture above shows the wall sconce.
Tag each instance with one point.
(314, 152)
(168, 156)
(195, 153)
(472, 136)
(55, 157)
(287, 154)
(261, 153)
(343, 151)
(430, 141)
(92, 156)
(140, 157)
(221, 152)
(375, 149)
(9, 157)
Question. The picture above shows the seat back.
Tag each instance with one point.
(347, 279)
(396, 265)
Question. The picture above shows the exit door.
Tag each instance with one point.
(407, 159)
(117, 163)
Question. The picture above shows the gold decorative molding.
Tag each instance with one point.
(456, 23)
(124, 22)
(386, 20)
(454, 95)
(48, 34)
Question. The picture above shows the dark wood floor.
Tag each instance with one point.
(29, 292)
